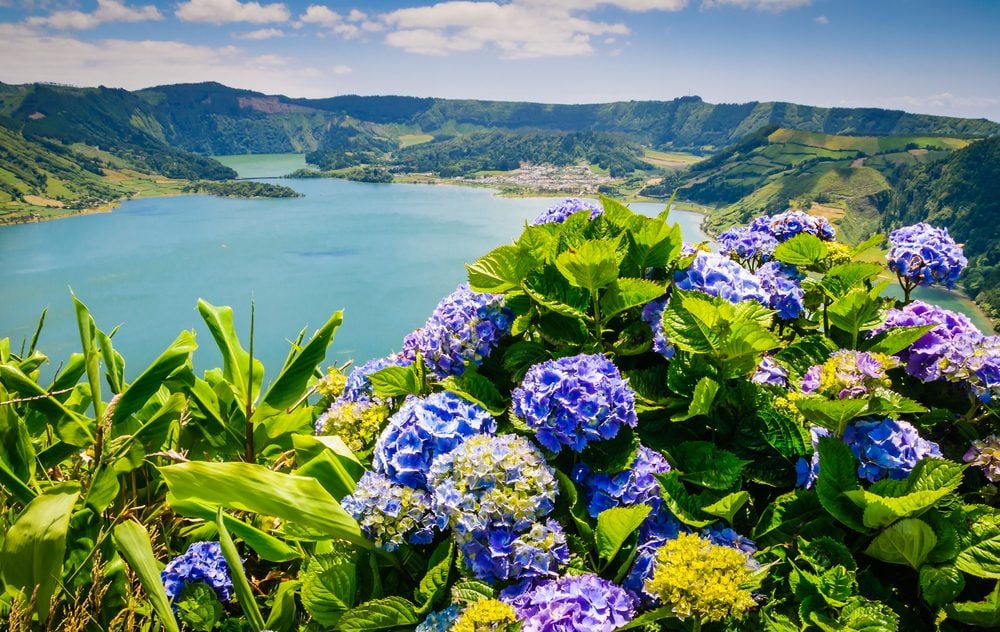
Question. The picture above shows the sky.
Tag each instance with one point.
(929, 56)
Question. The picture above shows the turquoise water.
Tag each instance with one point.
(385, 254)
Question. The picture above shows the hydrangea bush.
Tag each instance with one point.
(605, 428)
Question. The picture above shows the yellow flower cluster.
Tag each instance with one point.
(697, 578)
(332, 384)
(357, 424)
(838, 253)
(488, 615)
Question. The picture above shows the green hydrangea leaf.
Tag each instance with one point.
(615, 525)
(329, 586)
(379, 614)
(198, 607)
(939, 585)
(905, 542)
(591, 266)
(803, 249)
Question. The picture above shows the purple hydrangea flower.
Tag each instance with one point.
(980, 367)
(746, 245)
(716, 275)
(580, 602)
(489, 483)
(922, 255)
(887, 448)
(505, 554)
(784, 226)
(465, 327)
(634, 486)
(652, 313)
(807, 471)
(575, 400)
(441, 620)
(558, 213)
(390, 514)
(770, 372)
(849, 374)
(781, 285)
(202, 562)
(985, 454)
(424, 429)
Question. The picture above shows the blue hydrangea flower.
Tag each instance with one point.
(634, 486)
(768, 371)
(652, 314)
(715, 275)
(358, 388)
(390, 514)
(982, 368)
(746, 245)
(788, 224)
(489, 483)
(923, 255)
(580, 602)
(724, 536)
(202, 562)
(558, 213)
(465, 327)
(505, 554)
(441, 620)
(807, 471)
(575, 400)
(781, 285)
(423, 429)
(887, 448)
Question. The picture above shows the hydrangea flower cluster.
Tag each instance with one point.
(985, 454)
(982, 368)
(807, 471)
(356, 424)
(464, 327)
(724, 536)
(441, 620)
(923, 255)
(486, 615)
(492, 491)
(652, 314)
(716, 275)
(697, 578)
(887, 448)
(505, 554)
(574, 400)
(932, 357)
(581, 602)
(202, 562)
(790, 223)
(634, 486)
(781, 284)
(747, 245)
(558, 213)
(849, 374)
(490, 483)
(423, 429)
(768, 371)
(391, 514)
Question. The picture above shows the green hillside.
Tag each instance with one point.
(842, 177)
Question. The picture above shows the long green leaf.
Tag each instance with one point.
(235, 359)
(88, 334)
(72, 426)
(138, 392)
(255, 488)
(132, 541)
(290, 385)
(34, 546)
(244, 593)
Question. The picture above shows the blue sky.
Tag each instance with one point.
(932, 56)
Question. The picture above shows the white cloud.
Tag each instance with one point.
(260, 34)
(341, 69)
(821, 19)
(106, 11)
(332, 21)
(774, 6)
(522, 29)
(941, 101)
(222, 11)
(138, 64)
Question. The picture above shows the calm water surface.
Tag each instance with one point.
(385, 254)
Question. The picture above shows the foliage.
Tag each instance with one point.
(566, 473)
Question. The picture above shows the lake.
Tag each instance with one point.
(384, 253)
